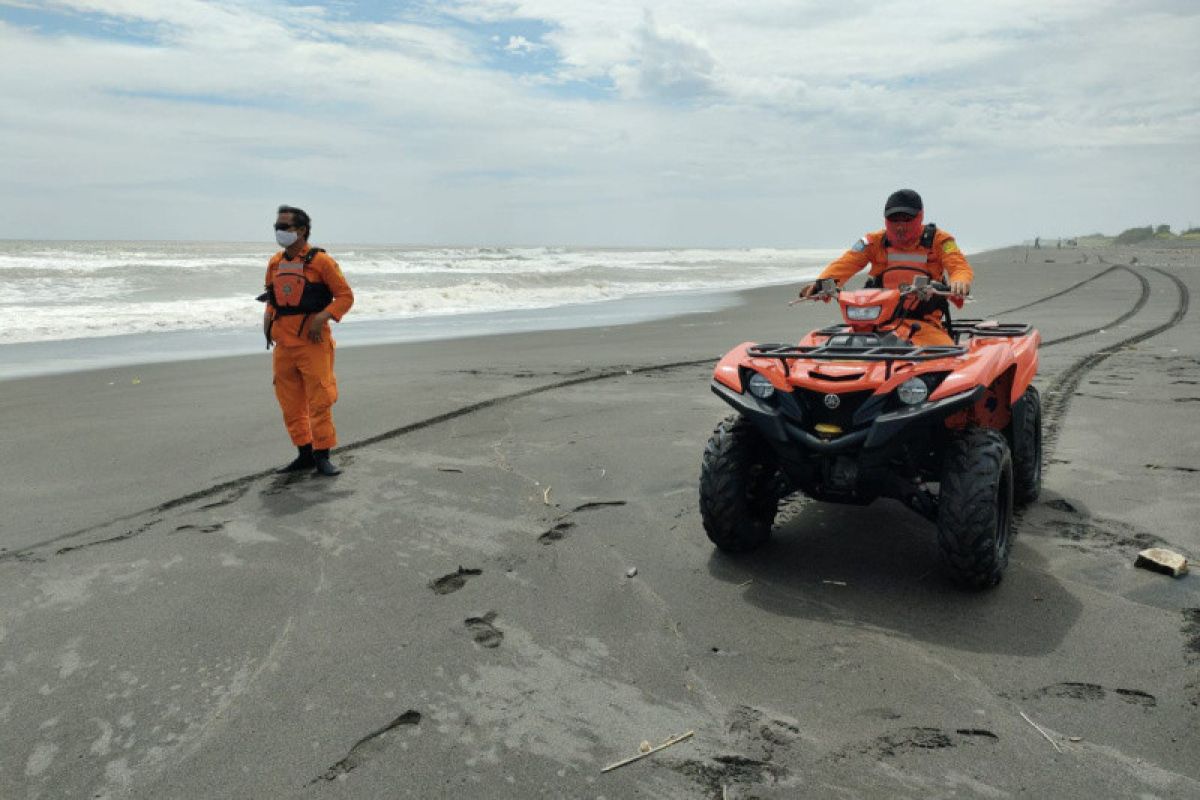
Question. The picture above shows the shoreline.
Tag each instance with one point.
(68, 356)
(24, 360)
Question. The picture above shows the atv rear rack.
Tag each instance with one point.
(979, 327)
(971, 327)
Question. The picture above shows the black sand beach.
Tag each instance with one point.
(454, 616)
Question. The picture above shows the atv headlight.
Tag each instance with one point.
(912, 391)
(760, 387)
(863, 313)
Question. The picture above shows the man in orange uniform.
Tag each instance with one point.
(305, 289)
(904, 249)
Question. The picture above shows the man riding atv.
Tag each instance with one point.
(905, 248)
(898, 401)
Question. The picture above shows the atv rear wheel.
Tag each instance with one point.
(1027, 449)
(975, 521)
(739, 486)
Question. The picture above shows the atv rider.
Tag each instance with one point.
(904, 249)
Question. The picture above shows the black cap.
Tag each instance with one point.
(905, 201)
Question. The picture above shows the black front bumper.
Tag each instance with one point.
(782, 429)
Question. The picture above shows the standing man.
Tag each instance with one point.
(305, 289)
(904, 249)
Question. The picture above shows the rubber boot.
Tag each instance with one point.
(304, 460)
(324, 465)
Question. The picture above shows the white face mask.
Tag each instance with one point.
(286, 238)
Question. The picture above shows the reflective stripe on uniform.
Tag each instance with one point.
(896, 257)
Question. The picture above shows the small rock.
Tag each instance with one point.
(1076, 738)
(1157, 559)
(629, 573)
(644, 747)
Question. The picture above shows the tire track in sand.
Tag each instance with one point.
(1064, 386)
(1055, 407)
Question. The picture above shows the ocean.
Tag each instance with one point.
(80, 305)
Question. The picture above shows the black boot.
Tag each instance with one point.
(324, 465)
(304, 460)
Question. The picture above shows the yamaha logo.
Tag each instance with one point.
(832, 401)
(287, 289)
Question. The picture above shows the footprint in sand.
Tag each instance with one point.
(1073, 690)
(557, 532)
(483, 631)
(213, 528)
(452, 582)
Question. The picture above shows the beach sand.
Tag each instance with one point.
(454, 616)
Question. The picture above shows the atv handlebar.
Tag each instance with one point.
(826, 289)
(925, 289)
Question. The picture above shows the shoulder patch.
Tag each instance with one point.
(950, 246)
(859, 245)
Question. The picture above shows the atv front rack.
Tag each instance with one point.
(889, 354)
(827, 352)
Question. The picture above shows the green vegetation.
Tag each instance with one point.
(1145, 233)
(1134, 235)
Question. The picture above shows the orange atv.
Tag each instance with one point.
(854, 413)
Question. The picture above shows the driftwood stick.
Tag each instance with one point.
(1042, 731)
(669, 742)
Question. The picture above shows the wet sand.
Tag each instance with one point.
(454, 616)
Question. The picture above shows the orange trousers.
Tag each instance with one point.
(930, 334)
(307, 389)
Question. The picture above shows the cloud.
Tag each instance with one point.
(764, 122)
(520, 45)
(670, 64)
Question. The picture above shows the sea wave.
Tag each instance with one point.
(101, 289)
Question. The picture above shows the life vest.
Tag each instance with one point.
(292, 293)
(906, 263)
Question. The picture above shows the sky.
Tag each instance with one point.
(749, 123)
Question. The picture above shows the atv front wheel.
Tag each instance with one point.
(975, 521)
(1027, 449)
(738, 486)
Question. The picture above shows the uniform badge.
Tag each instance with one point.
(950, 247)
(859, 246)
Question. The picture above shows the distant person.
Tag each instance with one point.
(1037, 243)
(305, 289)
(904, 249)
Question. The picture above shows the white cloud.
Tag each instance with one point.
(668, 63)
(521, 45)
(767, 122)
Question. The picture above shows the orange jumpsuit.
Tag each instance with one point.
(939, 260)
(304, 381)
